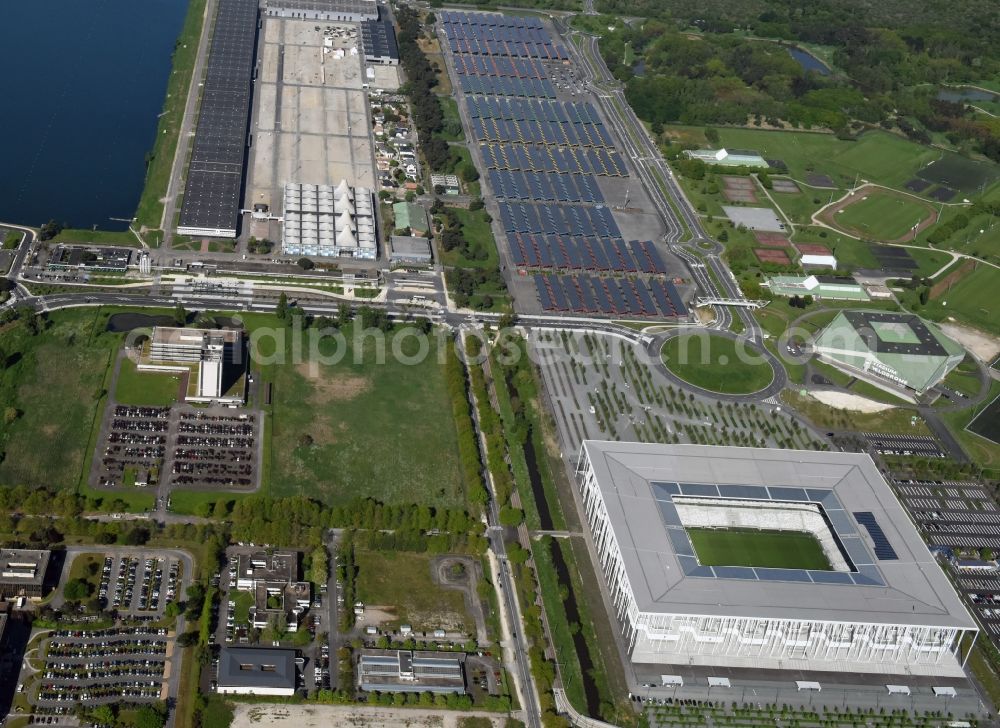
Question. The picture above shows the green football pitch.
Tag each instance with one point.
(744, 547)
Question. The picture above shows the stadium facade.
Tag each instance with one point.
(883, 604)
(899, 352)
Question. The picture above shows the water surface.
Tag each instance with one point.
(82, 89)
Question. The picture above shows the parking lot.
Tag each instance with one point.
(189, 447)
(886, 444)
(139, 586)
(961, 522)
(103, 666)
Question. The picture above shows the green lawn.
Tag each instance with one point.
(87, 567)
(375, 426)
(745, 547)
(877, 156)
(479, 235)
(101, 237)
(400, 583)
(150, 209)
(882, 216)
(896, 420)
(449, 109)
(713, 363)
(52, 384)
(145, 389)
(241, 612)
(972, 299)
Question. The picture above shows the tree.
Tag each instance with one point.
(305, 264)
(180, 315)
(50, 229)
(511, 517)
(77, 590)
(281, 310)
(149, 717)
(319, 570)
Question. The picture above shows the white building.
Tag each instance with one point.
(818, 261)
(329, 222)
(883, 605)
(344, 11)
(203, 355)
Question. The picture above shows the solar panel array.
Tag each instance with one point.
(883, 549)
(556, 219)
(608, 296)
(521, 109)
(542, 153)
(536, 131)
(562, 252)
(499, 66)
(499, 35)
(544, 186)
(215, 174)
(531, 158)
(504, 86)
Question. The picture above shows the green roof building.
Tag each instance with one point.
(729, 157)
(411, 215)
(828, 287)
(898, 352)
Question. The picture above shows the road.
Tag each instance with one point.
(507, 594)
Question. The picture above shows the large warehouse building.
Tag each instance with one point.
(896, 351)
(772, 559)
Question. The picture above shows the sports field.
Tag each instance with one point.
(881, 215)
(768, 549)
(715, 364)
(972, 300)
(876, 156)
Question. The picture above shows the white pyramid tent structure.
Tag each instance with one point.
(344, 204)
(346, 222)
(345, 239)
(342, 190)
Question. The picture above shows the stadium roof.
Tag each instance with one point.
(915, 349)
(896, 581)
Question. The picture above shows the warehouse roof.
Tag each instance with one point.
(894, 579)
(252, 667)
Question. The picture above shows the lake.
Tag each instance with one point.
(966, 94)
(82, 93)
(808, 61)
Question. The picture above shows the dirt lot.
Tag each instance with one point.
(321, 716)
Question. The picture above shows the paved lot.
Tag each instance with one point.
(311, 119)
(301, 716)
(957, 517)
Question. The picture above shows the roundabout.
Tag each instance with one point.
(720, 363)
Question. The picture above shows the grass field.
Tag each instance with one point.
(877, 156)
(150, 209)
(359, 427)
(479, 235)
(102, 237)
(713, 363)
(87, 567)
(769, 549)
(400, 583)
(449, 108)
(880, 215)
(896, 420)
(145, 389)
(52, 386)
(972, 300)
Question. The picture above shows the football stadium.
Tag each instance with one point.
(769, 559)
(899, 352)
